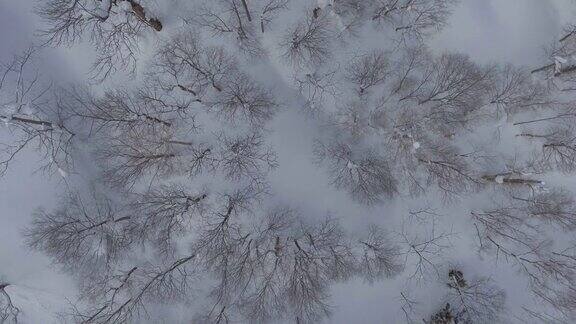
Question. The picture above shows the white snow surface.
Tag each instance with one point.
(41, 291)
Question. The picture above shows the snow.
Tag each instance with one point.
(299, 181)
(558, 64)
(124, 6)
(351, 165)
(8, 109)
(62, 173)
(37, 306)
(323, 3)
(6, 120)
(26, 108)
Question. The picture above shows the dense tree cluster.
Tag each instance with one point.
(179, 203)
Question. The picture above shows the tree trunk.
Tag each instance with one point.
(141, 14)
(245, 5)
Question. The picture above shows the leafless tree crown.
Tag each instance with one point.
(112, 26)
(182, 205)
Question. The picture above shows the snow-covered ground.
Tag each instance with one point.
(501, 31)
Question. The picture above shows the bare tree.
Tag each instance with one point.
(379, 257)
(550, 272)
(352, 14)
(555, 206)
(31, 116)
(408, 308)
(429, 161)
(476, 300)
(236, 16)
(558, 147)
(444, 316)
(414, 18)
(544, 316)
(82, 235)
(354, 118)
(317, 87)
(425, 94)
(410, 71)
(349, 7)
(281, 264)
(8, 311)
(113, 27)
(221, 240)
(118, 111)
(308, 43)
(317, 255)
(368, 71)
(514, 90)
(283, 267)
(447, 169)
(396, 118)
(139, 155)
(269, 9)
(423, 253)
(510, 235)
(299, 261)
(450, 90)
(165, 214)
(122, 295)
(192, 68)
(455, 87)
(231, 17)
(560, 66)
(145, 134)
(245, 156)
(243, 99)
(505, 219)
(365, 175)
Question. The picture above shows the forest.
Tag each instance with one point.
(271, 161)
